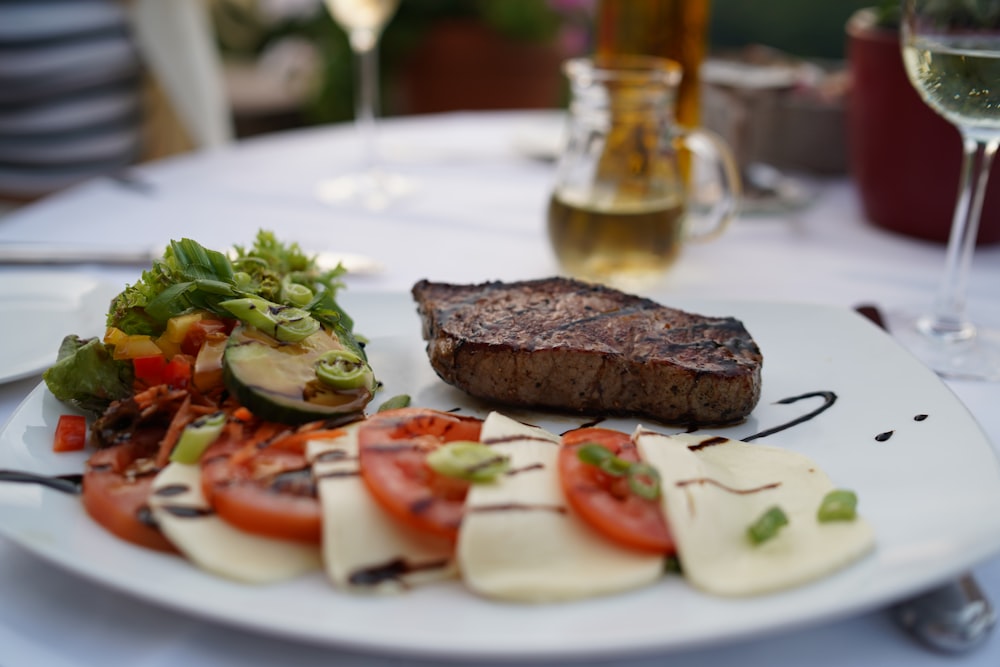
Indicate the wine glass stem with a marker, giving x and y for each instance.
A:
(949, 320)
(364, 43)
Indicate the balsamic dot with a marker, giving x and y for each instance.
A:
(882, 437)
(919, 418)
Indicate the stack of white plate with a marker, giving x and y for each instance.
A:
(69, 94)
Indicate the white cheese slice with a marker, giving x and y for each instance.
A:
(713, 492)
(520, 541)
(364, 548)
(184, 516)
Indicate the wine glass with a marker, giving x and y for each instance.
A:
(371, 186)
(951, 50)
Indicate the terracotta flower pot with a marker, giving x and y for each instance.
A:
(904, 158)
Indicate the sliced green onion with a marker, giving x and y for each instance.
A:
(600, 456)
(343, 369)
(395, 402)
(672, 565)
(593, 453)
(838, 505)
(197, 436)
(468, 460)
(644, 481)
(284, 323)
(767, 526)
(296, 293)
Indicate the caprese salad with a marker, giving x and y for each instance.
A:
(230, 395)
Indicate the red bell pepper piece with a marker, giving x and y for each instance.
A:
(71, 433)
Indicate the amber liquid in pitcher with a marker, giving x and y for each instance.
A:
(626, 244)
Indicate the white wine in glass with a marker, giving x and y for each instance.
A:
(951, 50)
(371, 185)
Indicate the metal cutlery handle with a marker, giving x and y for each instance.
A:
(53, 254)
(952, 618)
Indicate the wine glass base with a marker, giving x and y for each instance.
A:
(767, 190)
(374, 189)
(966, 354)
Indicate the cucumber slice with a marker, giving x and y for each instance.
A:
(277, 381)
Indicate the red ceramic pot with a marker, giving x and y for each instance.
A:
(904, 158)
(464, 64)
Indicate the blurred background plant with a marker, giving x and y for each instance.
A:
(294, 50)
(288, 64)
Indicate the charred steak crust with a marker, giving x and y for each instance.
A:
(572, 346)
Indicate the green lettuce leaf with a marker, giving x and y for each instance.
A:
(86, 376)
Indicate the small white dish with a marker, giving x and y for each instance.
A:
(41, 308)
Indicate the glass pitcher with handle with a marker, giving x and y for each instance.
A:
(632, 186)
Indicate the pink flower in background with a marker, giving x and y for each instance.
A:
(575, 35)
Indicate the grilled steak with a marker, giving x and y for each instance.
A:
(572, 346)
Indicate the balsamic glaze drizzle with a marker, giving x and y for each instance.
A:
(392, 571)
(510, 507)
(171, 490)
(708, 442)
(829, 398)
(186, 511)
(718, 484)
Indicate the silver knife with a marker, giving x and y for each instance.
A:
(55, 254)
(954, 617)
(30, 253)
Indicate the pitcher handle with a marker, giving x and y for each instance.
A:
(713, 185)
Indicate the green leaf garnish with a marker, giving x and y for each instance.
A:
(395, 402)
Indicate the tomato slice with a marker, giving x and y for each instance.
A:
(393, 447)
(116, 485)
(604, 501)
(262, 483)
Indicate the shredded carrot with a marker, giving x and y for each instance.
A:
(242, 414)
(184, 416)
(297, 441)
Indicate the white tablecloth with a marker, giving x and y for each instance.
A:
(478, 214)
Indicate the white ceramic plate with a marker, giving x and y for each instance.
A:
(930, 490)
(40, 309)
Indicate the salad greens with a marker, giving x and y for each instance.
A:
(279, 278)
(192, 277)
(86, 376)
